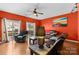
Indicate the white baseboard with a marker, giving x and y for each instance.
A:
(72, 41)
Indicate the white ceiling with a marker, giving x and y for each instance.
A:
(49, 9)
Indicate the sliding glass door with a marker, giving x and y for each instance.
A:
(12, 27)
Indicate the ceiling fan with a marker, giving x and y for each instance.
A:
(35, 11)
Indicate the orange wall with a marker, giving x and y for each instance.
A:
(11, 16)
(78, 28)
(71, 29)
(78, 20)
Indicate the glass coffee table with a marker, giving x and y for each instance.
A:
(34, 49)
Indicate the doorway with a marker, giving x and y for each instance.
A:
(31, 28)
(10, 28)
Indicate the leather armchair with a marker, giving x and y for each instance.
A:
(21, 38)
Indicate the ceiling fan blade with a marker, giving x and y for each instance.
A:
(41, 13)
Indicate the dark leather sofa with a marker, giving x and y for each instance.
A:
(59, 45)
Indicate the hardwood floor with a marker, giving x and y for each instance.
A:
(70, 48)
(13, 48)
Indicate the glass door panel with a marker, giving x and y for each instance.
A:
(31, 28)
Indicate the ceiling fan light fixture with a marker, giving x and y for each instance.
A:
(34, 14)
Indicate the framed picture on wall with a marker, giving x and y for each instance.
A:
(60, 22)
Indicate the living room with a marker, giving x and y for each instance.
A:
(36, 18)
